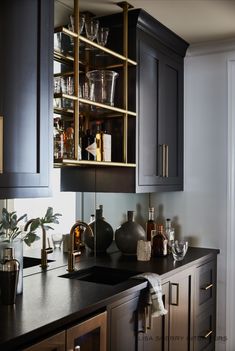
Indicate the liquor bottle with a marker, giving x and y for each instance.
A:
(69, 143)
(58, 140)
(159, 246)
(106, 145)
(150, 224)
(170, 233)
(81, 136)
(78, 239)
(88, 139)
(98, 140)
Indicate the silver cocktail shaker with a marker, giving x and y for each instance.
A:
(9, 273)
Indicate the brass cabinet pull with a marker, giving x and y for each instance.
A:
(174, 294)
(207, 334)
(163, 160)
(1, 144)
(166, 161)
(207, 287)
(146, 319)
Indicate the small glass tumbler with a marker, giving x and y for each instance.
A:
(102, 36)
(179, 249)
(70, 85)
(57, 85)
(57, 240)
(91, 28)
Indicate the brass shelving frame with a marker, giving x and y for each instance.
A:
(125, 63)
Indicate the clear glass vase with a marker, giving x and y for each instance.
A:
(17, 245)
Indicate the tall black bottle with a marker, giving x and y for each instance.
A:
(9, 274)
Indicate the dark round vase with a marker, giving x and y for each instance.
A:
(103, 234)
(128, 234)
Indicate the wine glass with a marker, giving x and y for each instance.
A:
(81, 23)
(102, 36)
(91, 28)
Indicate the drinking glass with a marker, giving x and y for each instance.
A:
(70, 85)
(91, 28)
(179, 249)
(81, 23)
(57, 85)
(57, 240)
(102, 36)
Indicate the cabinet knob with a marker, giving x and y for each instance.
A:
(1, 144)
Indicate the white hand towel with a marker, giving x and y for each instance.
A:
(154, 293)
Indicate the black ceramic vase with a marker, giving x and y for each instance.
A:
(103, 234)
(128, 234)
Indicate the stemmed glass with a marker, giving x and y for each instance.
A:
(91, 28)
(102, 36)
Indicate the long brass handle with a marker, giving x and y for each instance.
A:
(167, 161)
(174, 294)
(163, 160)
(207, 287)
(207, 334)
(1, 144)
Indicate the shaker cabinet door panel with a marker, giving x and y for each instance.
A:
(171, 121)
(160, 112)
(149, 112)
(26, 44)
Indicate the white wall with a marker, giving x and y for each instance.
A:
(201, 210)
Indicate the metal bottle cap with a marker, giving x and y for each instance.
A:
(10, 264)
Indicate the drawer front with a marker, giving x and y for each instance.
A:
(205, 331)
(205, 286)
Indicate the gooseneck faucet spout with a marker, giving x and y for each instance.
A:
(44, 250)
(72, 253)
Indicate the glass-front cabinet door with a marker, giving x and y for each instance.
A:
(89, 335)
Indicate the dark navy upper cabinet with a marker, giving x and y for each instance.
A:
(26, 71)
(155, 92)
(160, 116)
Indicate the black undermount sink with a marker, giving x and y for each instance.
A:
(32, 261)
(101, 275)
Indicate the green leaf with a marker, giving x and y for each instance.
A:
(35, 224)
(49, 212)
(22, 217)
(30, 238)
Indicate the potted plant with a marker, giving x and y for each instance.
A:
(13, 234)
(11, 230)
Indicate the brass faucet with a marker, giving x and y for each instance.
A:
(45, 250)
(72, 253)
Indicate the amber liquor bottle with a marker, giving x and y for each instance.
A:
(159, 242)
(150, 224)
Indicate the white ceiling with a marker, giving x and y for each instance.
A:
(194, 20)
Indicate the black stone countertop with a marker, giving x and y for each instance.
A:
(50, 303)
